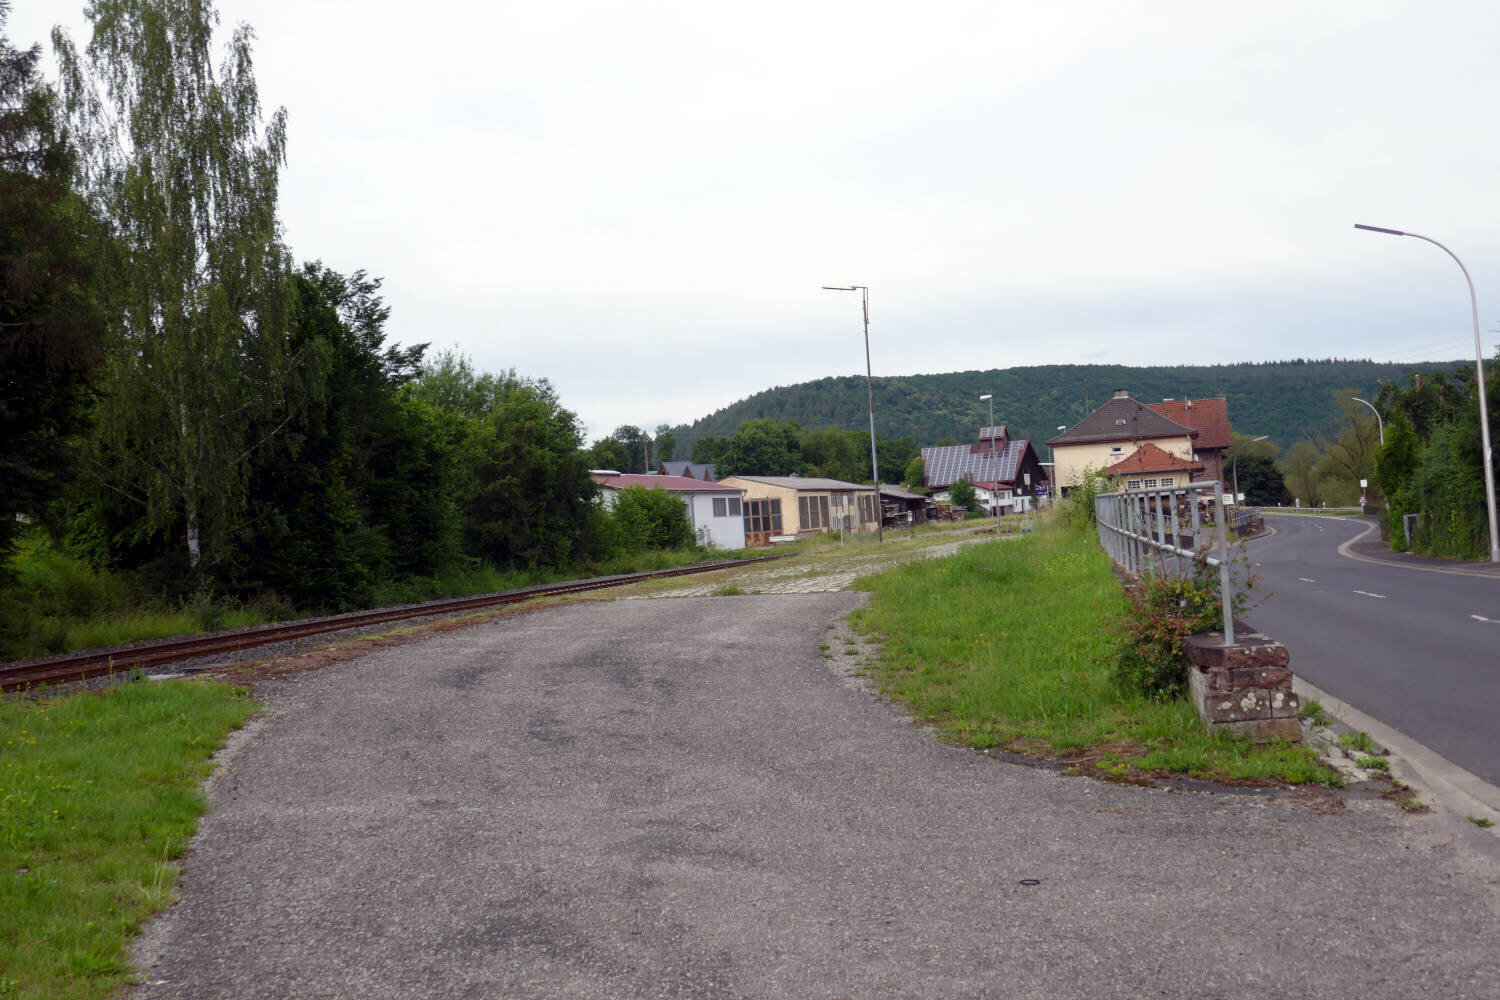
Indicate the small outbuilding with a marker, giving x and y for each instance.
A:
(786, 507)
(715, 511)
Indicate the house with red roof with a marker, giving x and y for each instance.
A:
(1145, 446)
(715, 511)
(1210, 418)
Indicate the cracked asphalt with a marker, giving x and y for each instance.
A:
(683, 798)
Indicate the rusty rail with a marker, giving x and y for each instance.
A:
(83, 665)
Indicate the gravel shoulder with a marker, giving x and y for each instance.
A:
(685, 798)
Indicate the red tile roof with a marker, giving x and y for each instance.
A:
(1209, 417)
(1149, 458)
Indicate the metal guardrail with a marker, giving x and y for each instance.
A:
(1163, 532)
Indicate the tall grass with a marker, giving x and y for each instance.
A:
(1012, 644)
(99, 795)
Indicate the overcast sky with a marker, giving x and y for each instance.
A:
(640, 202)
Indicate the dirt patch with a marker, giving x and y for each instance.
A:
(1125, 750)
(1317, 798)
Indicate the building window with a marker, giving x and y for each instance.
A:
(1150, 484)
(726, 506)
(1132, 484)
(812, 512)
(763, 516)
(1116, 450)
(1169, 480)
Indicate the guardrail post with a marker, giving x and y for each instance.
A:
(1226, 597)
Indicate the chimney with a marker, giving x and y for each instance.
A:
(1122, 393)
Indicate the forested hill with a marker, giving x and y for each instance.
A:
(1288, 400)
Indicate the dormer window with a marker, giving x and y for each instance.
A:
(1120, 421)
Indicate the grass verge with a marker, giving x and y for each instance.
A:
(1010, 645)
(99, 796)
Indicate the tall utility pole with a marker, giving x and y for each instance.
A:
(1487, 456)
(994, 475)
(870, 388)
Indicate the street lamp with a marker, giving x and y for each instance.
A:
(1484, 416)
(994, 482)
(870, 388)
(1378, 422)
(1234, 468)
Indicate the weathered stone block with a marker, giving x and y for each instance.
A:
(1252, 650)
(1264, 730)
(1236, 706)
(1257, 677)
(1245, 688)
(1285, 704)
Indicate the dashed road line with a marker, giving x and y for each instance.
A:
(1366, 593)
(1306, 580)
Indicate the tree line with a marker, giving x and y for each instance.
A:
(184, 403)
(1289, 400)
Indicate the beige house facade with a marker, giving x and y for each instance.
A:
(1114, 433)
(1072, 460)
(786, 507)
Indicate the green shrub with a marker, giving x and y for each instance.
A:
(651, 520)
(1078, 509)
(1160, 613)
(962, 495)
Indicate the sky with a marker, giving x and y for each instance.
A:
(640, 202)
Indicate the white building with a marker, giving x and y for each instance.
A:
(715, 511)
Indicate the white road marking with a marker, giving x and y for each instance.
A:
(1366, 593)
(1482, 618)
(1306, 580)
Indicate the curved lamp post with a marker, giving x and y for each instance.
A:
(1484, 416)
(1378, 422)
(870, 388)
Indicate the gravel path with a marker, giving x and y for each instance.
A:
(682, 798)
(815, 578)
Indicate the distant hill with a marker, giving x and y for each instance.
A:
(1288, 400)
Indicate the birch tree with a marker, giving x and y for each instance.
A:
(176, 156)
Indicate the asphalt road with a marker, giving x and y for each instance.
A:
(684, 798)
(1417, 649)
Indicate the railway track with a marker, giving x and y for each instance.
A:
(70, 667)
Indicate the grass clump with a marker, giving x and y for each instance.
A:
(1314, 712)
(99, 796)
(1013, 644)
